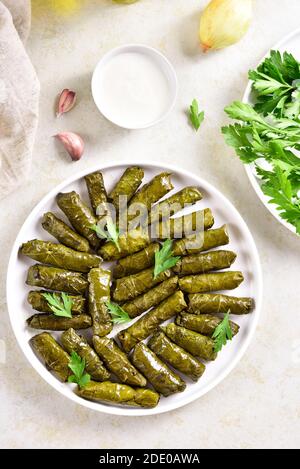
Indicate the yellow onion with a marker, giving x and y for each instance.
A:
(224, 22)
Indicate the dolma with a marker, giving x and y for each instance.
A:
(174, 203)
(147, 324)
(73, 342)
(59, 255)
(79, 215)
(197, 344)
(38, 302)
(129, 243)
(184, 225)
(54, 356)
(162, 378)
(212, 303)
(211, 282)
(200, 263)
(150, 193)
(117, 361)
(127, 288)
(50, 322)
(63, 233)
(203, 323)
(151, 298)
(136, 262)
(97, 193)
(176, 356)
(99, 295)
(127, 185)
(116, 393)
(201, 242)
(53, 278)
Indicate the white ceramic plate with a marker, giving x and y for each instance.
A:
(290, 43)
(241, 242)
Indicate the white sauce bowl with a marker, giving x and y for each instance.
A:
(134, 86)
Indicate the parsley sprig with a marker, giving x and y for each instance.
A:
(164, 258)
(196, 117)
(61, 306)
(77, 365)
(222, 333)
(119, 316)
(111, 233)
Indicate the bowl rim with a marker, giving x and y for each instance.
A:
(249, 167)
(149, 51)
(115, 410)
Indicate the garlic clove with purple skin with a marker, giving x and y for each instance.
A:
(66, 101)
(73, 143)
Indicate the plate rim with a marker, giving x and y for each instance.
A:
(248, 168)
(123, 411)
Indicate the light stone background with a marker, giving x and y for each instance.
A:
(257, 405)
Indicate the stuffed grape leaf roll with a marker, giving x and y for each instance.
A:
(203, 323)
(63, 233)
(197, 344)
(51, 322)
(127, 185)
(99, 295)
(97, 193)
(136, 262)
(151, 298)
(117, 361)
(211, 282)
(200, 263)
(212, 303)
(73, 342)
(38, 302)
(127, 288)
(59, 255)
(129, 243)
(150, 193)
(53, 278)
(184, 225)
(174, 203)
(202, 241)
(116, 393)
(147, 324)
(79, 215)
(53, 355)
(176, 356)
(162, 378)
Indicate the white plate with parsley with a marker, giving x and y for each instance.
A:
(270, 147)
(241, 242)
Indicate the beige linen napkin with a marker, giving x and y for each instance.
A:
(19, 96)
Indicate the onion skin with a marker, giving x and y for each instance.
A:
(224, 22)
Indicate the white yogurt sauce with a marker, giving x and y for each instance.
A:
(133, 90)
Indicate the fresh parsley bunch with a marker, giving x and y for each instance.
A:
(270, 131)
(276, 85)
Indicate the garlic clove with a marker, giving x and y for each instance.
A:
(73, 143)
(224, 22)
(66, 101)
